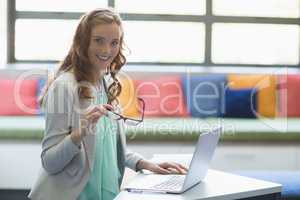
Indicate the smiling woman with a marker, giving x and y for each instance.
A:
(84, 150)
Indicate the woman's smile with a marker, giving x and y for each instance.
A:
(103, 58)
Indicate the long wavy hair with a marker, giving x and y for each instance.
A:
(77, 58)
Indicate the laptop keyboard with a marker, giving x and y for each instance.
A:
(174, 183)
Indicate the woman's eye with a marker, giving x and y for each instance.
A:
(99, 41)
(115, 43)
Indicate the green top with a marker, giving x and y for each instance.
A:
(103, 182)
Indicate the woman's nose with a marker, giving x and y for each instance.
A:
(105, 49)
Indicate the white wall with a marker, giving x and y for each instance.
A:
(3, 26)
(20, 161)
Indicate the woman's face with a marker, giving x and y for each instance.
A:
(104, 45)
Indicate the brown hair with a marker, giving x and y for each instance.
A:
(77, 59)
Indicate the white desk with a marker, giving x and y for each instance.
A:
(217, 185)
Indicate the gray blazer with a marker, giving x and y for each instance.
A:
(66, 167)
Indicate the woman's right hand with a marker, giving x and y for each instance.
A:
(89, 121)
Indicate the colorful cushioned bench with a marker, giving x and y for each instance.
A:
(178, 91)
(290, 181)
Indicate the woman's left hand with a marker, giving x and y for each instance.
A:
(162, 168)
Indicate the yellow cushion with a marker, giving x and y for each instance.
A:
(266, 85)
(128, 99)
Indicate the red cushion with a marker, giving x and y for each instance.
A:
(289, 95)
(163, 96)
(20, 101)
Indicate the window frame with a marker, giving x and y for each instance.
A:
(208, 19)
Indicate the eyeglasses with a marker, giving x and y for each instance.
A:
(127, 120)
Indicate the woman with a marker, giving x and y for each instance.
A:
(84, 150)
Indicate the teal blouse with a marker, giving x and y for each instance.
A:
(103, 182)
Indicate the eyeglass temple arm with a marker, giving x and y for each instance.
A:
(143, 104)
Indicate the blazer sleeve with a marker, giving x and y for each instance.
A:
(131, 159)
(57, 147)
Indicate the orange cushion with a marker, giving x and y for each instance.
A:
(163, 96)
(128, 99)
(266, 85)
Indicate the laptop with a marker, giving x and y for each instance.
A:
(176, 183)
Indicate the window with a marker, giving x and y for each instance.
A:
(165, 41)
(2, 32)
(43, 39)
(264, 44)
(59, 5)
(257, 8)
(178, 7)
(169, 32)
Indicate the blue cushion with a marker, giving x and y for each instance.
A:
(240, 103)
(41, 84)
(290, 180)
(204, 94)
